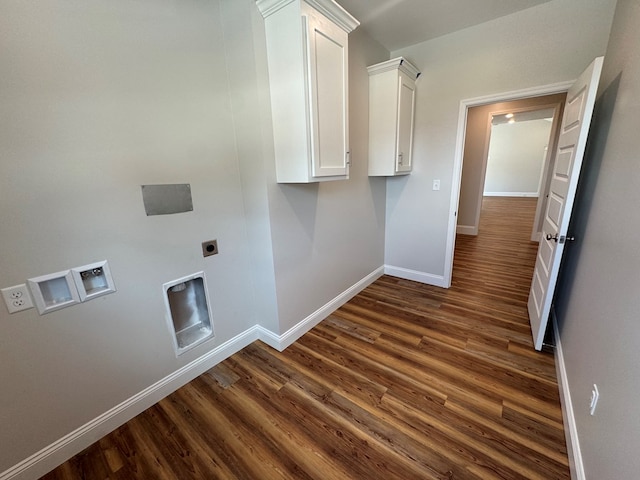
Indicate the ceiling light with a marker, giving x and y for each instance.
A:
(512, 120)
(509, 115)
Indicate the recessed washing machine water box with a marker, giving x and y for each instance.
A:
(188, 311)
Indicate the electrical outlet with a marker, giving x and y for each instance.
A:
(209, 248)
(17, 298)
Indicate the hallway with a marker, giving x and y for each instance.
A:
(500, 259)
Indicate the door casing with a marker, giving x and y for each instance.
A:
(562, 87)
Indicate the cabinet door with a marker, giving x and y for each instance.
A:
(327, 88)
(406, 102)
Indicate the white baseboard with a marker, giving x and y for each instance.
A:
(570, 428)
(61, 450)
(422, 277)
(280, 342)
(467, 229)
(511, 194)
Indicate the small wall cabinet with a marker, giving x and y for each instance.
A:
(307, 47)
(392, 97)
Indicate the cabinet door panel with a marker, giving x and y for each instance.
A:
(328, 95)
(406, 102)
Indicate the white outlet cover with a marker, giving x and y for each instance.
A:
(17, 298)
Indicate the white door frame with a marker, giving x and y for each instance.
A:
(561, 87)
(554, 132)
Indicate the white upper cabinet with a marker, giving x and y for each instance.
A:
(307, 54)
(392, 98)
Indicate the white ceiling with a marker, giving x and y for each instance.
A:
(400, 23)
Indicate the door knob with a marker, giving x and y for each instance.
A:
(552, 237)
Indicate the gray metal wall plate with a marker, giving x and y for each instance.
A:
(167, 199)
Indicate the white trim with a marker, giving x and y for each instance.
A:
(270, 338)
(511, 194)
(550, 89)
(535, 237)
(455, 194)
(269, 7)
(570, 427)
(399, 63)
(488, 130)
(329, 8)
(335, 13)
(280, 342)
(467, 229)
(61, 450)
(416, 276)
(459, 153)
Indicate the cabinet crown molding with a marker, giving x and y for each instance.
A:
(328, 8)
(398, 63)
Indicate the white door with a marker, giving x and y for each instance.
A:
(328, 70)
(406, 102)
(570, 151)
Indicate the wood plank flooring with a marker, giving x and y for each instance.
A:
(405, 381)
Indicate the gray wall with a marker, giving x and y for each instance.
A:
(98, 98)
(598, 299)
(552, 42)
(327, 236)
(101, 97)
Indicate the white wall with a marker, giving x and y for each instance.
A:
(328, 236)
(597, 300)
(549, 43)
(97, 99)
(516, 155)
(243, 30)
(101, 97)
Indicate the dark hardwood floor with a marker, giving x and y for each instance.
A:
(405, 381)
